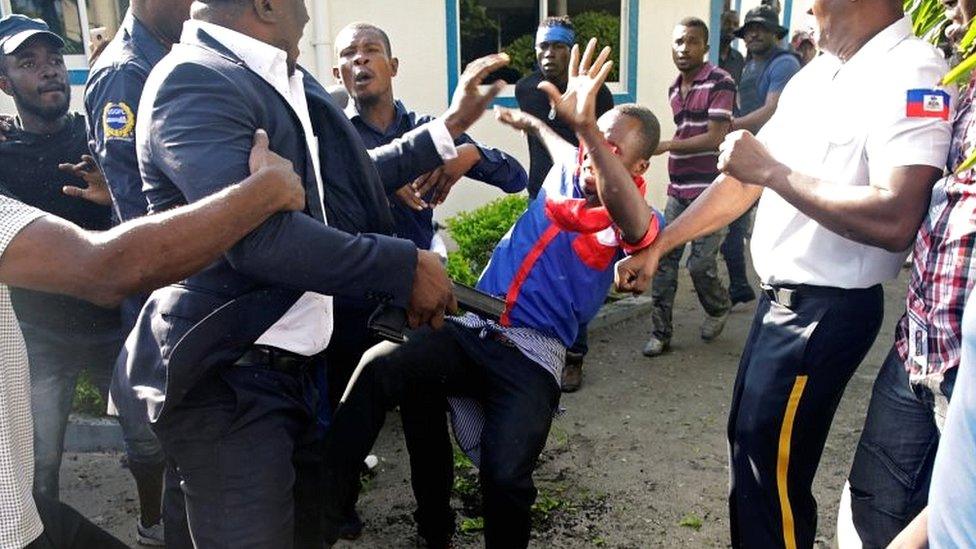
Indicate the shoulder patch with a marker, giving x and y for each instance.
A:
(927, 103)
(118, 121)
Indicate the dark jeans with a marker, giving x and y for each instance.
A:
(734, 251)
(895, 454)
(703, 268)
(65, 528)
(795, 366)
(55, 363)
(238, 443)
(518, 397)
(582, 344)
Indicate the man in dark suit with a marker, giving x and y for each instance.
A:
(224, 360)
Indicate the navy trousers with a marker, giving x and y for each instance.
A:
(795, 366)
(518, 397)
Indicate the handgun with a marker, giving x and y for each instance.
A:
(390, 322)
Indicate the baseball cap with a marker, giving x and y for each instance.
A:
(17, 29)
(765, 16)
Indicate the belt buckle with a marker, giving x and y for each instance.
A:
(784, 296)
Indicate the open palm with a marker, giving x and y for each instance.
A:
(577, 107)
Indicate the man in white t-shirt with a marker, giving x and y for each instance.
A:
(849, 160)
(43, 252)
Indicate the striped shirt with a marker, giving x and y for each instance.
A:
(467, 415)
(711, 97)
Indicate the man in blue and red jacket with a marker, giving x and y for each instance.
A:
(501, 380)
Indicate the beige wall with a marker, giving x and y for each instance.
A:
(417, 29)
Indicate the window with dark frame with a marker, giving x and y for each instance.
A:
(490, 26)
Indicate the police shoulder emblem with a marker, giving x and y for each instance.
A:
(118, 121)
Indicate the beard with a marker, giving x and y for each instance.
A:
(45, 112)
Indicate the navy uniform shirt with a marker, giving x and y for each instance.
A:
(112, 102)
(495, 168)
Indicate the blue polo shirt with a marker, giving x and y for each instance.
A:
(495, 168)
(112, 102)
(760, 78)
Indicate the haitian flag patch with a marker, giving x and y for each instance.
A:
(925, 103)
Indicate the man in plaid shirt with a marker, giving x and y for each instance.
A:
(889, 480)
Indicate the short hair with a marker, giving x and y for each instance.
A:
(695, 23)
(650, 128)
(364, 26)
(558, 21)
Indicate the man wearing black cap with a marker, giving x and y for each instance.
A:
(63, 335)
(767, 70)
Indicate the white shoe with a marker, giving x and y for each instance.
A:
(151, 536)
(713, 326)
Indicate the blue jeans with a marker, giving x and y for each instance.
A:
(55, 363)
(734, 251)
(895, 455)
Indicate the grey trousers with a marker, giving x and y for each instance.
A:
(703, 267)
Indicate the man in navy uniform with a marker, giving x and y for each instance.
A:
(223, 361)
(115, 84)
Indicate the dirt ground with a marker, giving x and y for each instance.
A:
(637, 460)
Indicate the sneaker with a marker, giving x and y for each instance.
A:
(572, 373)
(151, 536)
(713, 326)
(655, 346)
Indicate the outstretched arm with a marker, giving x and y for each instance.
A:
(559, 149)
(615, 184)
(54, 255)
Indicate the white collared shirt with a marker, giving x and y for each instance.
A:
(847, 124)
(306, 328)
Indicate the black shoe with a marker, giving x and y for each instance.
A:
(352, 527)
(572, 373)
(745, 296)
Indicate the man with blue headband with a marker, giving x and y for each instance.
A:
(553, 42)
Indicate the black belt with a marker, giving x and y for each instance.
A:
(274, 359)
(788, 295)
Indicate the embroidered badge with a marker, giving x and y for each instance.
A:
(118, 121)
(923, 103)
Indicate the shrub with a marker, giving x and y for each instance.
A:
(606, 29)
(522, 53)
(478, 231)
(88, 400)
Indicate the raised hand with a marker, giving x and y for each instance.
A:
(469, 101)
(95, 189)
(577, 107)
(517, 120)
(745, 158)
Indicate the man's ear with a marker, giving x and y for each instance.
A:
(266, 10)
(337, 75)
(394, 66)
(708, 48)
(641, 166)
(5, 85)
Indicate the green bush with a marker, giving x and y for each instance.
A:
(606, 29)
(88, 400)
(522, 53)
(477, 232)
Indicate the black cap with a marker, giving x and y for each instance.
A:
(765, 16)
(17, 29)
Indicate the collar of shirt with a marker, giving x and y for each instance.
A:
(700, 76)
(269, 62)
(400, 112)
(877, 46)
(145, 42)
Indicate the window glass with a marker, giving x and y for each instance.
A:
(489, 26)
(61, 15)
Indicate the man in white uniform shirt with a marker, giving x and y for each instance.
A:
(849, 160)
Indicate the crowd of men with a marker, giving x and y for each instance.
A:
(284, 218)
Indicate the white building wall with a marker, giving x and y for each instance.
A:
(418, 28)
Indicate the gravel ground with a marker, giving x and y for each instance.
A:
(637, 460)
